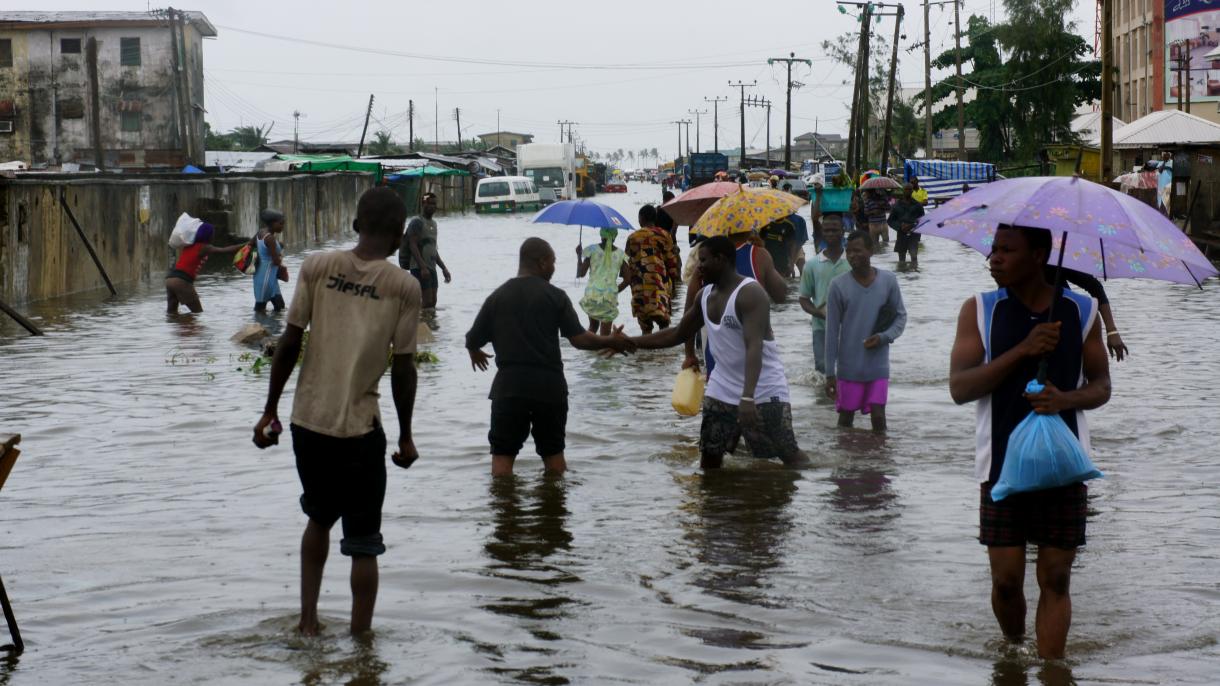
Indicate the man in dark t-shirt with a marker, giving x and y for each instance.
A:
(778, 237)
(523, 319)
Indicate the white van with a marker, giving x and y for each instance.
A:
(506, 194)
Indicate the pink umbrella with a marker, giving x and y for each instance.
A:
(880, 183)
(686, 209)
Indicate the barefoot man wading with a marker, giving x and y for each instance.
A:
(357, 306)
(1001, 336)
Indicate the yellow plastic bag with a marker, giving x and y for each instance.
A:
(687, 397)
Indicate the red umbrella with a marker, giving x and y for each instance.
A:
(686, 209)
(880, 183)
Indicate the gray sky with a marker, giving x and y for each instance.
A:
(516, 51)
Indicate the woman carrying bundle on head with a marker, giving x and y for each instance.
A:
(180, 281)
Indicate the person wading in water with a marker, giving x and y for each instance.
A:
(1001, 337)
(747, 393)
(358, 308)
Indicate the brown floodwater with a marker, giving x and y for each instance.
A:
(144, 540)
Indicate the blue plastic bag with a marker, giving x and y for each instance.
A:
(1042, 453)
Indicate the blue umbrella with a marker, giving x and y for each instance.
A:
(583, 213)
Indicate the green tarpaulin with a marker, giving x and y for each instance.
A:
(432, 171)
(332, 163)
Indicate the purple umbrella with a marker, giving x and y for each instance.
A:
(1096, 230)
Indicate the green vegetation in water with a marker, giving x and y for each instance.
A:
(426, 357)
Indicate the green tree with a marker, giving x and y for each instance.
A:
(216, 141)
(383, 144)
(248, 137)
(907, 131)
(984, 71)
(1049, 75)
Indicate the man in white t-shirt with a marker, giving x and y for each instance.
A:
(358, 307)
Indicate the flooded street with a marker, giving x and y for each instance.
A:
(144, 540)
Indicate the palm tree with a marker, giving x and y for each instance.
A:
(383, 144)
(249, 137)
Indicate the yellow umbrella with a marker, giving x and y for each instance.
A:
(745, 211)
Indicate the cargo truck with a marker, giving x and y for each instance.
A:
(552, 168)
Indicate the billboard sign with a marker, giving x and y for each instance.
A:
(1192, 50)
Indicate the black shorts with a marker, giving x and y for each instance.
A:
(773, 438)
(344, 478)
(429, 284)
(906, 242)
(513, 419)
(1054, 517)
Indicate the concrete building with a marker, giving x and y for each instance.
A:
(108, 89)
(508, 139)
(1139, 55)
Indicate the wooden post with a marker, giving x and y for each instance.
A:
(8, 455)
(27, 324)
(889, 101)
(63, 201)
(1107, 92)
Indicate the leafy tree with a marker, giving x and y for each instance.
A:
(216, 141)
(906, 130)
(383, 144)
(1049, 75)
(248, 137)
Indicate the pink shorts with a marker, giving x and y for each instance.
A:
(860, 396)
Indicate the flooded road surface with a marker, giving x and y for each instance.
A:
(144, 540)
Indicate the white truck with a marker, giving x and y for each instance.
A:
(552, 168)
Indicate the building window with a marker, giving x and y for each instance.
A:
(129, 52)
(69, 46)
(130, 121)
(6, 52)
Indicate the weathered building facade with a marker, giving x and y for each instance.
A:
(128, 218)
(105, 89)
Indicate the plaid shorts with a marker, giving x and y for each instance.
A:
(772, 438)
(1054, 517)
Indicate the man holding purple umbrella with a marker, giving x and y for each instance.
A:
(1001, 338)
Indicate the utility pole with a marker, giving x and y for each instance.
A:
(296, 126)
(411, 125)
(680, 122)
(743, 86)
(697, 127)
(1107, 90)
(889, 100)
(859, 100)
(569, 125)
(364, 132)
(764, 102)
(927, 82)
(788, 112)
(436, 120)
(686, 123)
(457, 116)
(957, 57)
(715, 120)
(1187, 70)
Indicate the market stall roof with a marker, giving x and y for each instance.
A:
(433, 171)
(1167, 128)
(1088, 127)
(331, 163)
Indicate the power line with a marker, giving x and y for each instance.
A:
(477, 60)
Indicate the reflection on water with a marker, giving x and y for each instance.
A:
(864, 498)
(1018, 672)
(739, 522)
(529, 528)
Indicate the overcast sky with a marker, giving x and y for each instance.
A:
(621, 69)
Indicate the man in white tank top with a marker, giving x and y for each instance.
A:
(747, 393)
